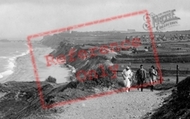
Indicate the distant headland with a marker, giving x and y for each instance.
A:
(4, 40)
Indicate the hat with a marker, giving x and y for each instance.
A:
(127, 67)
(153, 66)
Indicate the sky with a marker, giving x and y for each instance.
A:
(20, 18)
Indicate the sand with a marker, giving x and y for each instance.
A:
(132, 105)
(24, 70)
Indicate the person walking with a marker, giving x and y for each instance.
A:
(140, 76)
(127, 76)
(152, 74)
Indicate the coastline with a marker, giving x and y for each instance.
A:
(24, 71)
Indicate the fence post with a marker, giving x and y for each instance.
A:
(177, 74)
(187, 71)
(161, 78)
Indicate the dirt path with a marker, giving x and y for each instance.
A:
(132, 105)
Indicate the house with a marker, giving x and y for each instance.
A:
(158, 45)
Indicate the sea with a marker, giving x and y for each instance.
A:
(9, 51)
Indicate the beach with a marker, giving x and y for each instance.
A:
(24, 70)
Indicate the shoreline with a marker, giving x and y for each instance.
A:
(11, 65)
(23, 70)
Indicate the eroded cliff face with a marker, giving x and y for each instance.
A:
(93, 62)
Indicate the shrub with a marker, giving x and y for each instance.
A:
(51, 79)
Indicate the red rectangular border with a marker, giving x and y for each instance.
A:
(44, 106)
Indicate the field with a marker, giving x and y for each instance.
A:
(173, 47)
(168, 66)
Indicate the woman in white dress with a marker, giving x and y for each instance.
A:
(127, 76)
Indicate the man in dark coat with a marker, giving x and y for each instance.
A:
(140, 76)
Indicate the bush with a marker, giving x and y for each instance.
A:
(51, 79)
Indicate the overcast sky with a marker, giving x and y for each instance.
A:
(20, 18)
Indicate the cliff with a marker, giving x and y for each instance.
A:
(95, 72)
(21, 99)
(177, 105)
